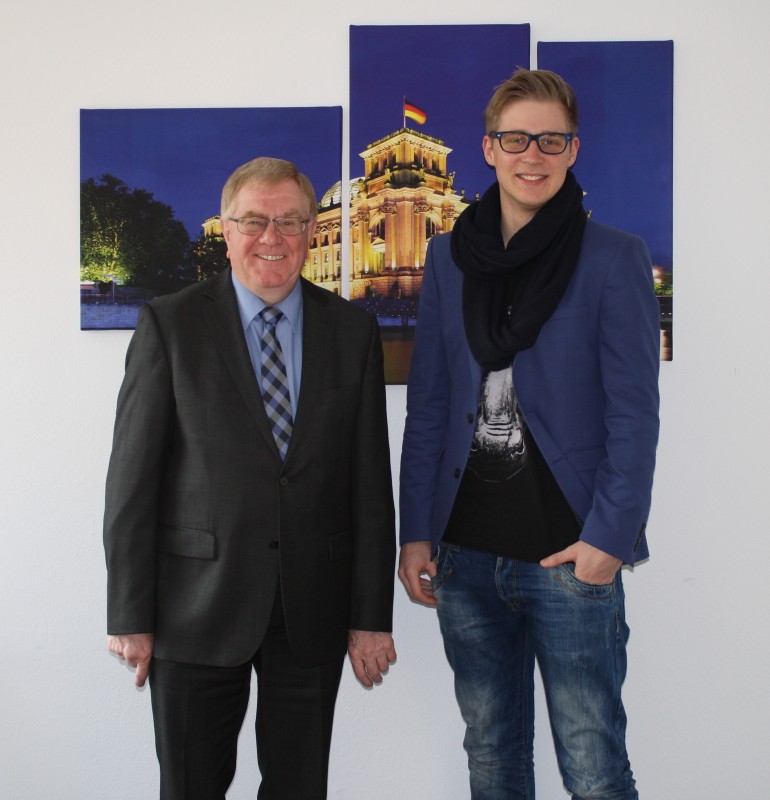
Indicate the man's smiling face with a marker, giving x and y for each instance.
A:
(530, 179)
(270, 263)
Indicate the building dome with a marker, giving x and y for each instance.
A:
(333, 196)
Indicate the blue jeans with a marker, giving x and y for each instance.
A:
(497, 616)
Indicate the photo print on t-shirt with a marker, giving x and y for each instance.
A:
(498, 451)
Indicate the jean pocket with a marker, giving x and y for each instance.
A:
(565, 576)
(443, 566)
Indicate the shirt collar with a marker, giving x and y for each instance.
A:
(249, 304)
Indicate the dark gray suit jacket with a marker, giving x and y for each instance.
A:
(197, 495)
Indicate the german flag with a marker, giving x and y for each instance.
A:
(413, 112)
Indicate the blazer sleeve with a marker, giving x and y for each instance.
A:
(372, 511)
(143, 428)
(629, 360)
(427, 414)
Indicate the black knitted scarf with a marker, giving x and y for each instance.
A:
(509, 292)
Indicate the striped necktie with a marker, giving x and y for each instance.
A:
(275, 383)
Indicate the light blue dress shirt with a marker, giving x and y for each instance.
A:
(288, 331)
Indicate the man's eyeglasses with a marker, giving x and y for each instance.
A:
(518, 141)
(256, 226)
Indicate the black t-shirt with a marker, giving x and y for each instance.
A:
(508, 502)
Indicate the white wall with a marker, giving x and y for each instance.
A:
(72, 726)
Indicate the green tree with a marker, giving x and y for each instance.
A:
(103, 230)
(129, 235)
(208, 256)
(664, 285)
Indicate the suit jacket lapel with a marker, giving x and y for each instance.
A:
(315, 329)
(220, 310)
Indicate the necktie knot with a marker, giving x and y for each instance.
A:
(271, 315)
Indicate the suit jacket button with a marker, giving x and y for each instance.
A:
(470, 418)
(274, 544)
(457, 472)
(284, 481)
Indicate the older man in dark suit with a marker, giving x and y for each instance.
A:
(249, 512)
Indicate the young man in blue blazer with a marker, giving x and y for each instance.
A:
(529, 450)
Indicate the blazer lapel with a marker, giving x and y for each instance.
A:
(315, 326)
(220, 310)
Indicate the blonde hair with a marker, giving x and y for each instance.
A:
(531, 84)
(267, 172)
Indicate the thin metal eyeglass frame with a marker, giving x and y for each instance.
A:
(268, 220)
(533, 136)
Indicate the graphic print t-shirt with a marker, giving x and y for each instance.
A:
(508, 503)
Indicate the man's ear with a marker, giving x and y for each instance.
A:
(226, 233)
(487, 147)
(574, 146)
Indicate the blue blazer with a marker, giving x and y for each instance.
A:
(588, 390)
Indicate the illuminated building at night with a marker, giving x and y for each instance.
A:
(404, 197)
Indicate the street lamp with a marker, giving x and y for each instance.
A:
(112, 281)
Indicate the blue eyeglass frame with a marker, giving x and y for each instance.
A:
(533, 136)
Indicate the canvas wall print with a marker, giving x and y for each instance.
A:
(150, 187)
(625, 163)
(417, 95)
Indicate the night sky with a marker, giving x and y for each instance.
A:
(624, 92)
(625, 163)
(184, 156)
(449, 71)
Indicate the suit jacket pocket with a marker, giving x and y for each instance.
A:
(340, 545)
(187, 542)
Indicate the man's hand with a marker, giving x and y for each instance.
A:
(136, 650)
(591, 564)
(371, 653)
(414, 569)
